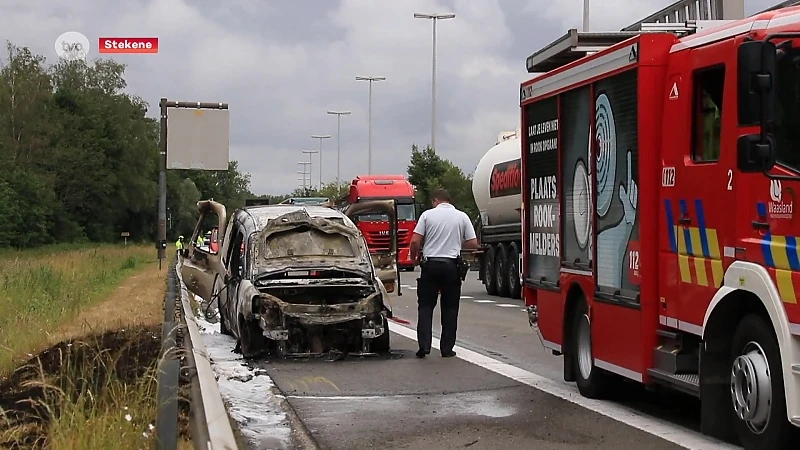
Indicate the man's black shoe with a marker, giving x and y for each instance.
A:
(449, 354)
(422, 353)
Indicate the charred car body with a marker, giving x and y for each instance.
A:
(295, 280)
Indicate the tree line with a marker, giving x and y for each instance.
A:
(82, 160)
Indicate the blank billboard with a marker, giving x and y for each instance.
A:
(198, 138)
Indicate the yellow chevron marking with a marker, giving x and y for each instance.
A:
(700, 270)
(785, 286)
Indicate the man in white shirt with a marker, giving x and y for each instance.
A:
(445, 231)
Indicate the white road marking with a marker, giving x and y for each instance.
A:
(507, 305)
(466, 296)
(484, 301)
(652, 425)
(524, 310)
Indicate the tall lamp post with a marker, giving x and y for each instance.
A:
(311, 152)
(320, 137)
(339, 115)
(434, 18)
(304, 172)
(585, 16)
(369, 120)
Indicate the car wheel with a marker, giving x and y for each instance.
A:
(757, 392)
(251, 339)
(381, 343)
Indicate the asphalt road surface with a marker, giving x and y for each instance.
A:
(503, 390)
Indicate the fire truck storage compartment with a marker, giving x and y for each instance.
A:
(582, 168)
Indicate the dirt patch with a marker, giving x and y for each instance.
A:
(108, 355)
(138, 301)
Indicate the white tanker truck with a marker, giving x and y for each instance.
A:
(496, 185)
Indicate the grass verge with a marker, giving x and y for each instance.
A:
(96, 387)
(41, 290)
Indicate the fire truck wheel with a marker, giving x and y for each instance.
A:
(514, 285)
(591, 380)
(489, 277)
(502, 270)
(757, 392)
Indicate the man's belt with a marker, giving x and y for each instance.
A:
(439, 259)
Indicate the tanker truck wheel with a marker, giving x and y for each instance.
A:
(489, 275)
(514, 285)
(501, 258)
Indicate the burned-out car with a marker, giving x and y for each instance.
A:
(294, 280)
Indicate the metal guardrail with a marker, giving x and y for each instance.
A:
(209, 424)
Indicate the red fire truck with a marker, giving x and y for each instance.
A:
(375, 227)
(660, 169)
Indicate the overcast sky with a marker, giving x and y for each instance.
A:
(281, 64)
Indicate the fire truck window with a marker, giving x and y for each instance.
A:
(786, 126)
(707, 112)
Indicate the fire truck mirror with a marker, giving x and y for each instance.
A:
(753, 156)
(756, 61)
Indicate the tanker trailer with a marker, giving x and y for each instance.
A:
(496, 185)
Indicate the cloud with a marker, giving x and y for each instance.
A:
(282, 65)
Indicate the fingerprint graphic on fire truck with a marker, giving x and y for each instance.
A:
(612, 240)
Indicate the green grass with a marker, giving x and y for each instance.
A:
(42, 289)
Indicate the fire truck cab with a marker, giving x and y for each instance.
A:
(660, 170)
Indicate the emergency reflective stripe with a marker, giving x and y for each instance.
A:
(179, 244)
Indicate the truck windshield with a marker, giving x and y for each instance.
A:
(406, 212)
(787, 110)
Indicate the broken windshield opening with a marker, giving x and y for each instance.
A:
(305, 241)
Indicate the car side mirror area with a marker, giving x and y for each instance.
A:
(753, 155)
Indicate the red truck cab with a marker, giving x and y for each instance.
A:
(375, 227)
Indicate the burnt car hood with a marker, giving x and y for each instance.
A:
(325, 243)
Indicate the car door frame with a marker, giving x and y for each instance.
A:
(200, 267)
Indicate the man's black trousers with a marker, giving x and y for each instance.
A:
(438, 276)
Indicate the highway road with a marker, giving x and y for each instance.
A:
(503, 390)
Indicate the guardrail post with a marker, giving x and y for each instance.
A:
(169, 372)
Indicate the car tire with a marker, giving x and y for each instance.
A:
(381, 343)
(757, 390)
(252, 341)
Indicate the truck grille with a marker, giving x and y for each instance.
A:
(381, 242)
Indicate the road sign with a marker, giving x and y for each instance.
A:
(198, 138)
(125, 234)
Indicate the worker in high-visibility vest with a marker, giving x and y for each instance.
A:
(200, 240)
(179, 244)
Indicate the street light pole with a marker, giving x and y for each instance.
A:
(304, 172)
(434, 18)
(369, 120)
(585, 16)
(339, 115)
(320, 137)
(311, 152)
